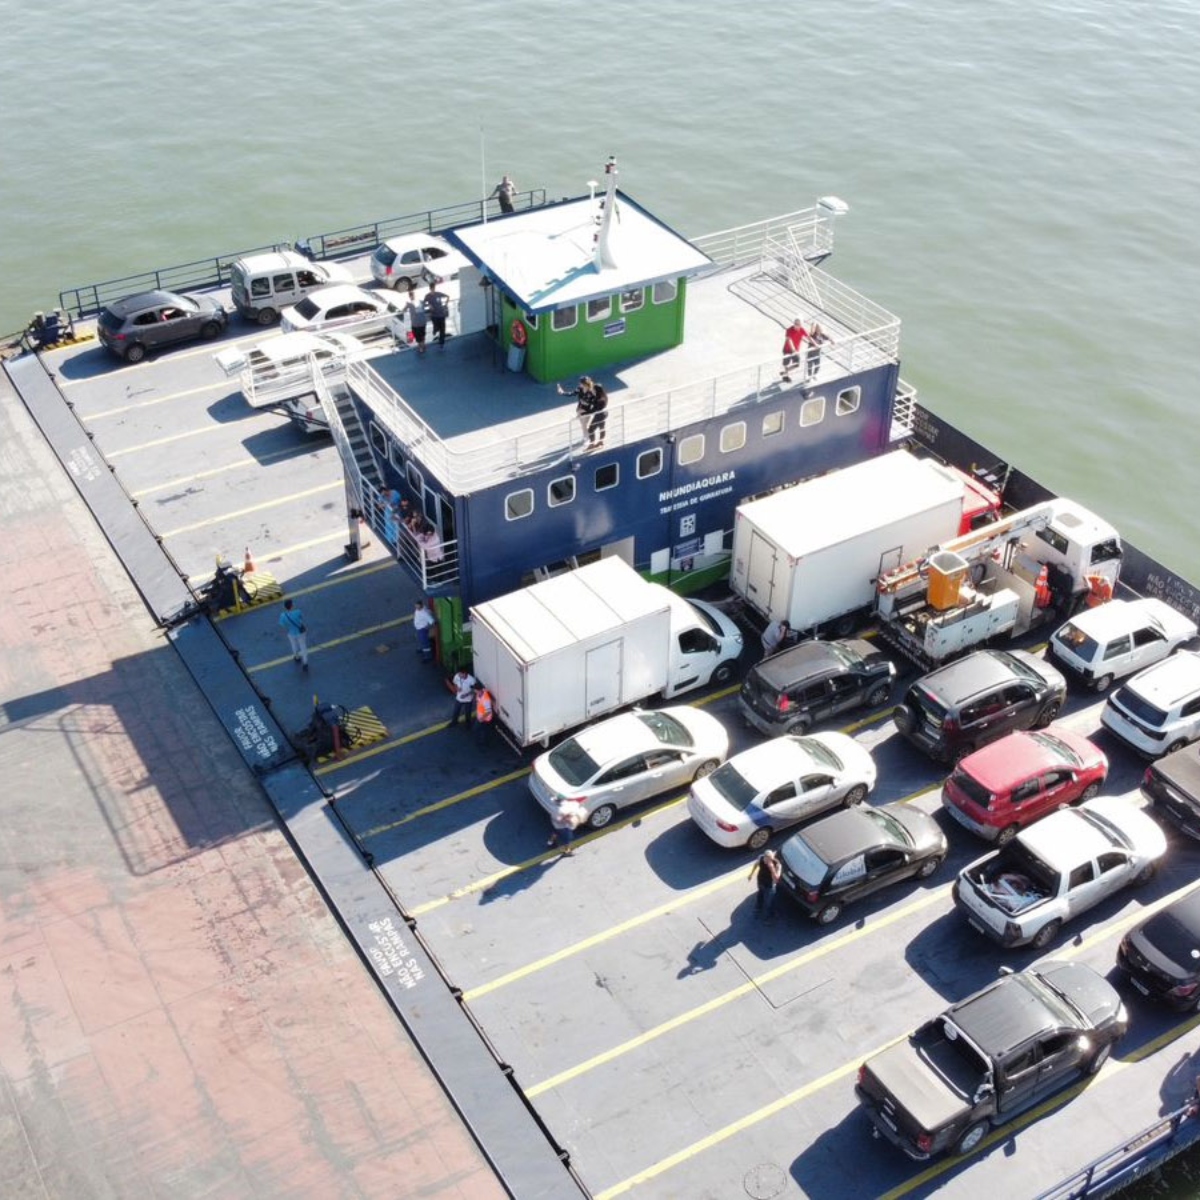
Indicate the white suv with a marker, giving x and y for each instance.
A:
(1118, 638)
(1158, 710)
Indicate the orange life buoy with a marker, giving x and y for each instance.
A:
(518, 333)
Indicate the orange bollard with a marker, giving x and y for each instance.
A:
(248, 565)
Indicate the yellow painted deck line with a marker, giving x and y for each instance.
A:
(380, 749)
(743, 989)
(777, 1106)
(254, 508)
(237, 464)
(330, 645)
(449, 801)
(116, 412)
(348, 577)
(163, 441)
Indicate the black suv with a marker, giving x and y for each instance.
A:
(974, 700)
(790, 690)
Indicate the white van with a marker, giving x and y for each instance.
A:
(265, 284)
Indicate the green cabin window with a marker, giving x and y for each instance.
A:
(633, 299)
(599, 310)
(665, 291)
(564, 318)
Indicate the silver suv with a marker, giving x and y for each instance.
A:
(137, 324)
(1158, 710)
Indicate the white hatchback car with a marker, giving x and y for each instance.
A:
(346, 307)
(1118, 638)
(1158, 710)
(629, 758)
(780, 783)
(403, 262)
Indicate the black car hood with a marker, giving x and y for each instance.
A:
(925, 832)
(1170, 940)
(1089, 992)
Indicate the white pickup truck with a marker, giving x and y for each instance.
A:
(1059, 867)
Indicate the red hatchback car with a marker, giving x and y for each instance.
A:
(1010, 784)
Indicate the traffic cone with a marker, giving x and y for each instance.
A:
(248, 565)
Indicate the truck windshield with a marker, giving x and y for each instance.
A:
(668, 730)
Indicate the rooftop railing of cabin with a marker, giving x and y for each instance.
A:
(811, 229)
(873, 342)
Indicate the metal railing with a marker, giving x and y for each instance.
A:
(811, 228)
(88, 299)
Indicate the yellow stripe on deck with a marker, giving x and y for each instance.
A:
(364, 728)
(262, 587)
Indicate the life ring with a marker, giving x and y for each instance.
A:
(518, 335)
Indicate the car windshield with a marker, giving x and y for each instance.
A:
(733, 787)
(1109, 828)
(1071, 636)
(308, 308)
(892, 829)
(1139, 708)
(972, 789)
(1057, 746)
(573, 763)
(820, 752)
(668, 730)
(845, 655)
(1049, 997)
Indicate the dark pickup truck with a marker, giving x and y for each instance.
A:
(990, 1057)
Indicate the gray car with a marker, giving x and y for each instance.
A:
(133, 326)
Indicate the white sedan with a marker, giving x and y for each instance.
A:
(346, 307)
(780, 783)
(629, 758)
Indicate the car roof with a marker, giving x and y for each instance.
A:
(1004, 1015)
(272, 260)
(142, 300)
(843, 834)
(340, 293)
(768, 763)
(1018, 755)
(616, 738)
(408, 241)
(1116, 617)
(968, 676)
(807, 660)
(1168, 682)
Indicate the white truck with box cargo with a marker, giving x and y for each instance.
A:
(565, 651)
(810, 554)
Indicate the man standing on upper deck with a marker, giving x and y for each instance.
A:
(795, 334)
(437, 306)
(505, 191)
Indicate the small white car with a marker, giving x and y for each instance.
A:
(780, 783)
(1158, 710)
(1118, 638)
(346, 307)
(629, 758)
(403, 262)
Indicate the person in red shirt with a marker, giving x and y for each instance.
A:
(794, 335)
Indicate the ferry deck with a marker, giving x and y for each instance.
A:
(614, 1023)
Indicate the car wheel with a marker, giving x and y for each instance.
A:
(1048, 714)
(1177, 744)
(1103, 683)
(1093, 1064)
(1046, 934)
(267, 316)
(1007, 834)
(758, 839)
(135, 352)
(856, 795)
(930, 865)
(724, 673)
(707, 767)
(830, 913)
(209, 330)
(971, 1137)
(1145, 874)
(845, 626)
(1092, 789)
(402, 283)
(878, 695)
(601, 816)
(903, 718)
(801, 724)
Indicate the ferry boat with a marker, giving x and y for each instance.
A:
(622, 1025)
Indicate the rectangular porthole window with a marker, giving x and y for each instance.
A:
(847, 401)
(379, 440)
(396, 458)
(733, 437)
(607, 476)
(518, 504)
(560, 491)
(665, 291)
(416, 480)
(632, 300)
(812, 412)
(691, 449)
(599, 310)
(649, 462)
(564, 318)
(772, 424)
